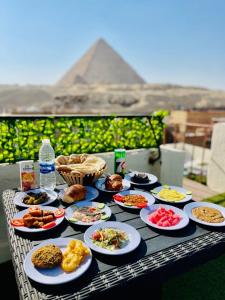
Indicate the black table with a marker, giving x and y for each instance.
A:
(159, 256)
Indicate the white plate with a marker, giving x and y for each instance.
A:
(152, 178)
(147, 196)
(100, 184)
(150, 209)
(133, 235)
(91, 194)
(55, 275)
(18, 199)
(20, 215)
(70, 210)
(177, 188)
(188, 209)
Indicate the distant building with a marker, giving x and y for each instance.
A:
(101, 65)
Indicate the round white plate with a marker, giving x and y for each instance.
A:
(177, 188)
(152, 178)
(100, 184)
(145, 212)
(20, 215)
(147, 196)
(91, 194)
(133, 235)
(55, 275)
(18, 199)
(70, 210)
(188, 209)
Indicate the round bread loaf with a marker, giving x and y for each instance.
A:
(76, 192)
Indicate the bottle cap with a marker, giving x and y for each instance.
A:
(45, 141)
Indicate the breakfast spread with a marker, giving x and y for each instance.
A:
(208, 214)
(74, 255)
(114, 182)
(132, 200)
(164, 217)
(74, 193)
(110, 238)
(32, 198)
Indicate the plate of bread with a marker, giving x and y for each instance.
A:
(78, 192)
(80, 169)
(112, 183)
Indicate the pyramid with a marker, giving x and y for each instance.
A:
(100, 65)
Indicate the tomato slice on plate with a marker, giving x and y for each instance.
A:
(141, 205)
(118, 198)
(59, 213)
(49, 225)
(17, 222)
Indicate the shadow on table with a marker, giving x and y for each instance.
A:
(186, 231)
(120, 260)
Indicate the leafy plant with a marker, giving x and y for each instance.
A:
(20, 138)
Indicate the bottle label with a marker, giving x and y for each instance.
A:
(47, 168)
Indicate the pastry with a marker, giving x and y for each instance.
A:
(114, 182)
(76, 192)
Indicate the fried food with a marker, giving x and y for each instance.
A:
(47, 257)
(208, 214)
(38, 217)
(74, 255)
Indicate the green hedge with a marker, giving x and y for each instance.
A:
(20, 138)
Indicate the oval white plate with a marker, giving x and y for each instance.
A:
(55, 275)
(133, 235)
(145, 212)
(152, 178)
(91, 194)
(148, 197)
(20, 215)
(177, 188)
(18, 199)
(70, 210)
(188, 209)
(100, 184)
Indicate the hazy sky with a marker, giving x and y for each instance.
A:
(166, 41)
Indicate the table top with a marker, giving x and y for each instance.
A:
(158, 249)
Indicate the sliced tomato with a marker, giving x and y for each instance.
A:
(49, 225)
(141, 205)
(17, 222)
(59, 213)
(96, 236)
(118, 198)
(33, 208)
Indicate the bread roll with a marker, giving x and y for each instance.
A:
(76, 192)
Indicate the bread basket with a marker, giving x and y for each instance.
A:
(67, 169)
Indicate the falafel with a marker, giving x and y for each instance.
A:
(47, 257)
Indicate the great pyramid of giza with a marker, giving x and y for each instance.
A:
(100, 65)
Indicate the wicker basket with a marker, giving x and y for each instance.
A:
(79, 178)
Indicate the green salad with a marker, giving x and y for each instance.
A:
(110, 238)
